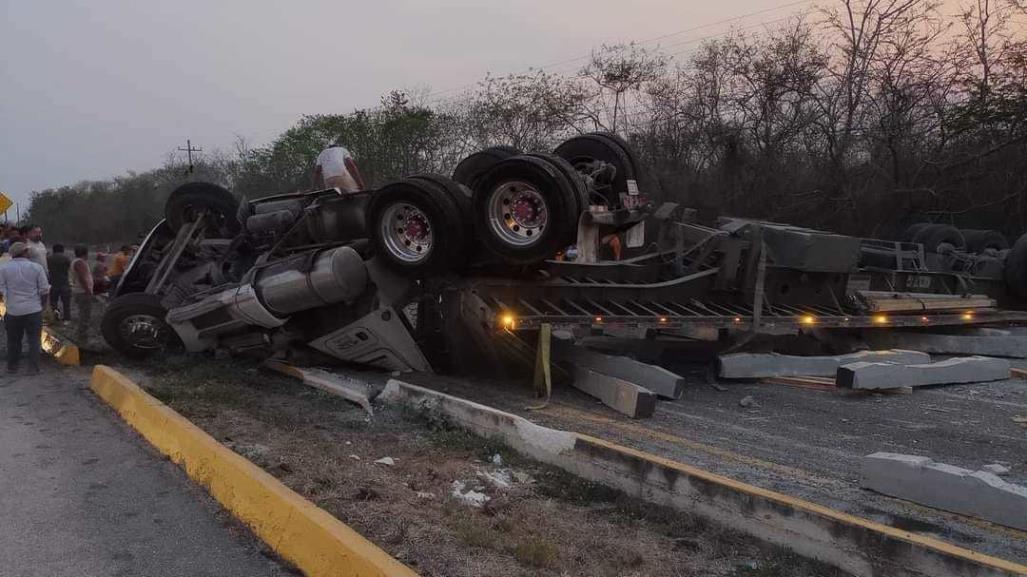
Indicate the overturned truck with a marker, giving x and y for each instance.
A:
(435, 273)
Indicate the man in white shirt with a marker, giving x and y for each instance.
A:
(37, 250)
(24, 287)
(335, 167)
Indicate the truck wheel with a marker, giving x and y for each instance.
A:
(189, 200)
(1015, 270)
(584, 152)
(912, 230)
(576, 182)
(524, 208)
(977, 241)
(472, 168)
(935, 235)
(460, 194)
(416, 226)
(134, 325)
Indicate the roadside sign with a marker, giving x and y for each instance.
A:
(5, 203)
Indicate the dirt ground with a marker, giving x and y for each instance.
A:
(531, 519)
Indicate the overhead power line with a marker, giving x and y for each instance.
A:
(434, 96)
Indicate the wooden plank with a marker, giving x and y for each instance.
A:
(817, 383)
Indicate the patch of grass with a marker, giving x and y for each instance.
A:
(535, 552)
(562, 486)
(474, 533)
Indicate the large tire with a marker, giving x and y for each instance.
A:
(978, 241)
(134, 325)
(460, 193)
(1015, 270)
(575, 181)
(935, 235)
(416, 226)
(912, 230)
(525, 210)
(583, 150)
(472, 168)
(189, 200)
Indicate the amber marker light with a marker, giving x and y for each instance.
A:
(508, 321)
(880, 319)
(968, 316)
(808, 320)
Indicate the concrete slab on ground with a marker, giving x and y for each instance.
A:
(919, 479)
(763, 365)
(879, 376)
(1012, 346)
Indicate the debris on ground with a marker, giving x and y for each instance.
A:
(386, 461)
(468, 496)
(748, 401)
(996, 469)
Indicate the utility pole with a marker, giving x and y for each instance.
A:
(189, 150)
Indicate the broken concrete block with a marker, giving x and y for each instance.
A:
(618, 394)
(758, 366)
(1012, 346)
(995, 469)
(350, 389)
(656, 379)
(871, 376)
(921, 480)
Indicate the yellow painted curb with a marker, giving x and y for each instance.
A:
(303, 534)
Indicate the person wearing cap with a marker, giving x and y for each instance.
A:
(24, 286)
(335, 167)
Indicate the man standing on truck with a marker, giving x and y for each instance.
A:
(335, 167)
(25, 288)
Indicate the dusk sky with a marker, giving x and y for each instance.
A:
(95, 88)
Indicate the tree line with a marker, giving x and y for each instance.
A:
(861, 117)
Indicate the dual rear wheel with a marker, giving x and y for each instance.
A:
(521, 208)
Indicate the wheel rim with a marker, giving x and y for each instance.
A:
(518, 213)
(142, 331)
(407, 232)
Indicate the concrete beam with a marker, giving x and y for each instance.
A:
(656, 379)
(919, 479)
(759, 366)
(618, 394)
(352, 390)
(1013, 346)
(872, 376)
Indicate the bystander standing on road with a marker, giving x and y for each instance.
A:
(58, 265)
(83, 290)
(37, 250)
(25, 287)
(118, 265)
(101, 278)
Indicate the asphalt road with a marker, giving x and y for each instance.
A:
(82, 495)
